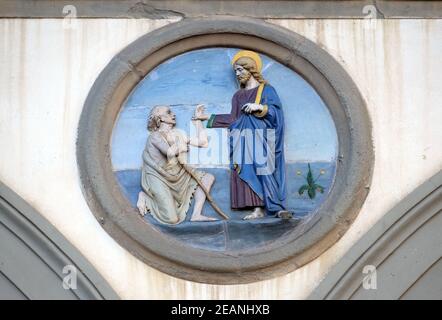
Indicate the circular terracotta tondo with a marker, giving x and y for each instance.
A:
(122, 221)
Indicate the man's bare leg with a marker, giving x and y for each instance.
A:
(257, 213)
(200, 198)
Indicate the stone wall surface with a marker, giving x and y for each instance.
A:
(49, 65)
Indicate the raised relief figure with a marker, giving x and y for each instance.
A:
(168, 183)
(256, 124)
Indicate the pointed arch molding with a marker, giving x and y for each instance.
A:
(33, 255)
(405, 246)
(122, 222)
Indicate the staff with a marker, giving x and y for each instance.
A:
(208, 196)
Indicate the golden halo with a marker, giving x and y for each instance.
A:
(249, 54)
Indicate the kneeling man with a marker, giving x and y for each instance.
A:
(168, 188)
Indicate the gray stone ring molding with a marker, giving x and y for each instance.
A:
(126, 226)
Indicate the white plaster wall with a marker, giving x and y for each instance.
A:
(46, 72)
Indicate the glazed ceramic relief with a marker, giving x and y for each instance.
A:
(224, 149)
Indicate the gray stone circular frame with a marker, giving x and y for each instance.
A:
(126, 226)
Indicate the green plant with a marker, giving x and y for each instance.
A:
(311, 187)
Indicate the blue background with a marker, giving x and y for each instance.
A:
(206, 76)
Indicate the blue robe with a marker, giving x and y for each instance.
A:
(257, 154)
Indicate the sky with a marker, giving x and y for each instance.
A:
(205, 76)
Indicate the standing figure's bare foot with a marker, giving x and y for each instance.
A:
(257, 213)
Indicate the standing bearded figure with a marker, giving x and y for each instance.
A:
(256, 124)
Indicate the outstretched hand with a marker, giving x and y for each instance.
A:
(199, 113)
